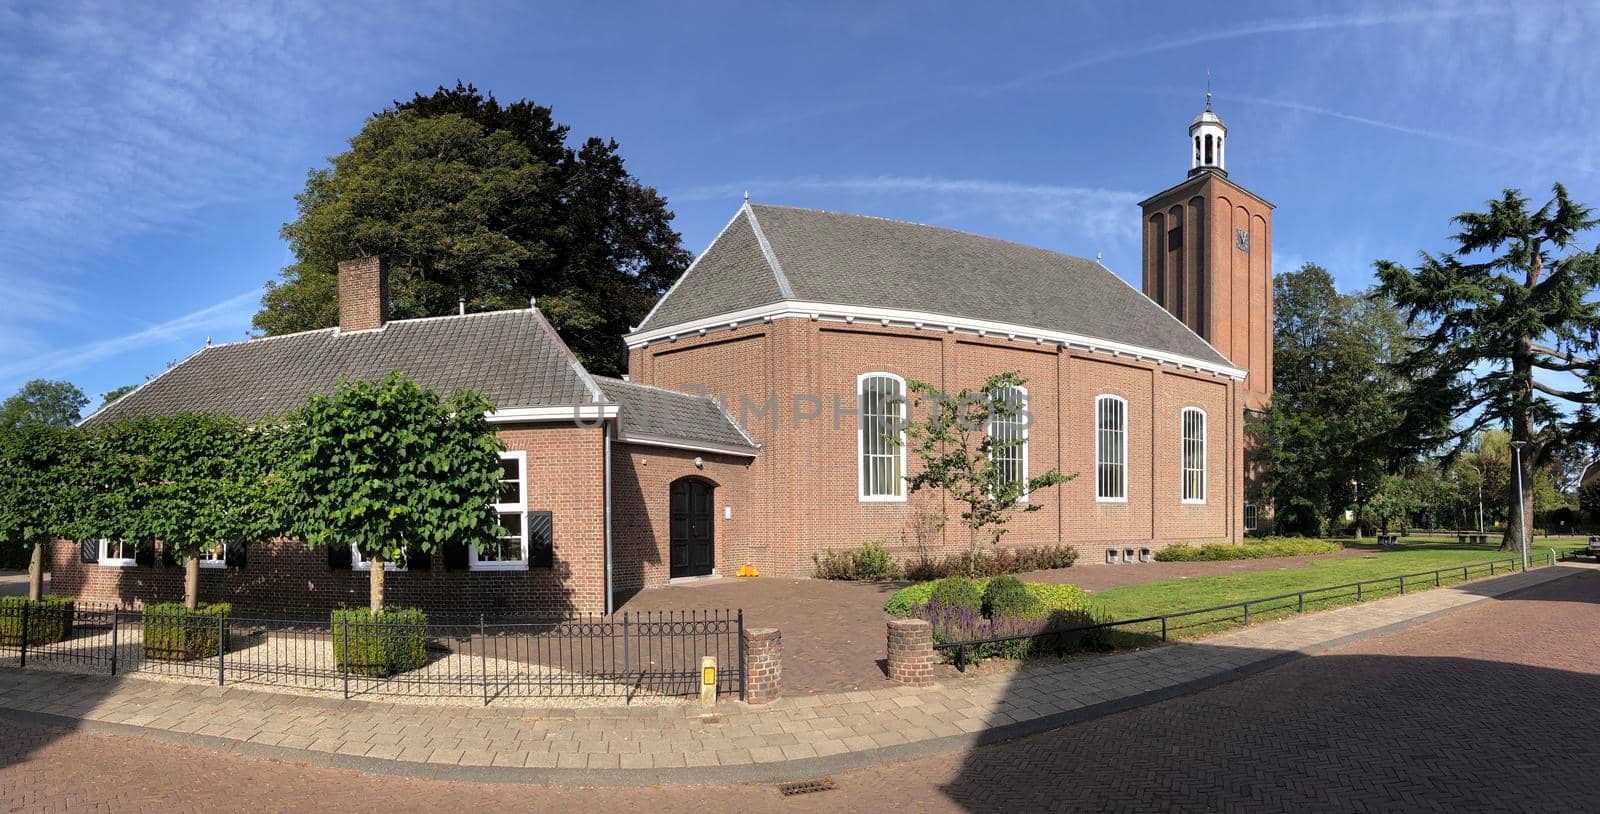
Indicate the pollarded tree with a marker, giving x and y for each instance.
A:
(195, 482)
(969, 446)
(39, 490)
(1510, 307)
(383, 466)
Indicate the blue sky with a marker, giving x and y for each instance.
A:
(149, 153)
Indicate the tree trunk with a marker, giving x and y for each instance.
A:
(36, 573)
(1519, 509)
(375, 585)
(191, 582)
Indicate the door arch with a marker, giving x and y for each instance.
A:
(693, 535)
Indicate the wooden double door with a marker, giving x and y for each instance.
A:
(693, 544)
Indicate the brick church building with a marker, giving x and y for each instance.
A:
(756, 424)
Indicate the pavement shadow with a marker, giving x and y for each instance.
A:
(1389, 724)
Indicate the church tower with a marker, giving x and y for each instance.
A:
(1208, 257)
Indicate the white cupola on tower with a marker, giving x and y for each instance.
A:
(1208, 138)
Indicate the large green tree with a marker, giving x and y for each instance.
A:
(1332, 402)
(42, 401)
(1503, 315)
(469, 198)
(39, 490)
(386, 466)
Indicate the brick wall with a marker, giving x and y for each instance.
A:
(640, 515)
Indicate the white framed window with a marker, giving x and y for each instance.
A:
(510, 551)
(1009, 434)
(1111, 448)
(1251, 516)
(881, 437)
(361, 563)
(118, 553)
(1194, 455)
(214, 557)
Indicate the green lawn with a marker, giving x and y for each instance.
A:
(1172, 596)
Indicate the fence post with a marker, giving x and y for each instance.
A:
(1491, 569)
(1358, 592)
(1247, 614)
(1552, 553)
(1163, 627)
(1464, 573)
(1302, 607)
(24, 659)
(483, 658)
(744, 672)
(116, 613)
(1436, 582)
(627, 655)
(344, 663)
(222, 645)
(1402, 584)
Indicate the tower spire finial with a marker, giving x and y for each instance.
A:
(1208, 89)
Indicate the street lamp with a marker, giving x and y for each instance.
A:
(1522, 501)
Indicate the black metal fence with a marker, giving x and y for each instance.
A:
(1150, 629)
(627, 656)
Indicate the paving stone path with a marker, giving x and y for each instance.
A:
(793, 738)
(1484, 709)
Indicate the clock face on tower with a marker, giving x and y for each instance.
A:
(1241, 238)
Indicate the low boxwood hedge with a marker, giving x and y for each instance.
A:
(49, 619)
(173, 632)
(1252, 550)
(380, 645)
(909, 601)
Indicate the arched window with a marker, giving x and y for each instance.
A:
(880, 397)
(1209, 162)
(1111, 448)
(1197, 150)
(1194, 455)
(1008, 431)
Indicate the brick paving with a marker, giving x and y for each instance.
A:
(833, 632)
(1484, 709)
(794, 737)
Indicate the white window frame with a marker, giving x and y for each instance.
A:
(219, 558)
(519, 508)
(1027, 425)
(125, 547)
(1123, 403)
(1183, 455)
(360, 563)
(1252, 517)
(861, 441)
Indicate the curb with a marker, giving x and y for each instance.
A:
(777, 771)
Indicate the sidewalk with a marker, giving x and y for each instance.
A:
(793, 738)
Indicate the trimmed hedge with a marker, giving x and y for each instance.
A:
(49, 619)
(1006, 597)
(381, 645)
(993, 562)
(1254, 550)
(957, 592)
(173, 632)
(909, 601)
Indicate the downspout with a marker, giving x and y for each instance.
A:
(610, 428)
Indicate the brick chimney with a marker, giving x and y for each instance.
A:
(363, 294)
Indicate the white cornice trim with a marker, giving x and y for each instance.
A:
(894, 317)
(564, 412)
(694, 446)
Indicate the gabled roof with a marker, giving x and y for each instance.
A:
(652, 413)
(772, 254)
(514, 358)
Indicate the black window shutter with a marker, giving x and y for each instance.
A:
(236, 554)
(339, 557)
(455, 557)
(145, 554)
(88, 551)
(417, 559)
(168, 559)
(541, 540)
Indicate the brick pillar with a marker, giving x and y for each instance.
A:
(911, 656)
(763, 664)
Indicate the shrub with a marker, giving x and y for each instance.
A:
(49, 619)
(871, 562)
(1006, 596)
(910, 601)
(1054, 633)
(385, 644)
(957, 592)
(1254, 550)
(173, 632)
(989, 564)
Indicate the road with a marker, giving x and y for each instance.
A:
(1487, 709)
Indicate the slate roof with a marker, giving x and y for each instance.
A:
(512, 357)
(657, 411)
(842, 259)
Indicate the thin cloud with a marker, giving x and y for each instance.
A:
(223, 315)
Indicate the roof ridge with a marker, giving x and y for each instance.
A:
(784, 289)
(904, 222)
